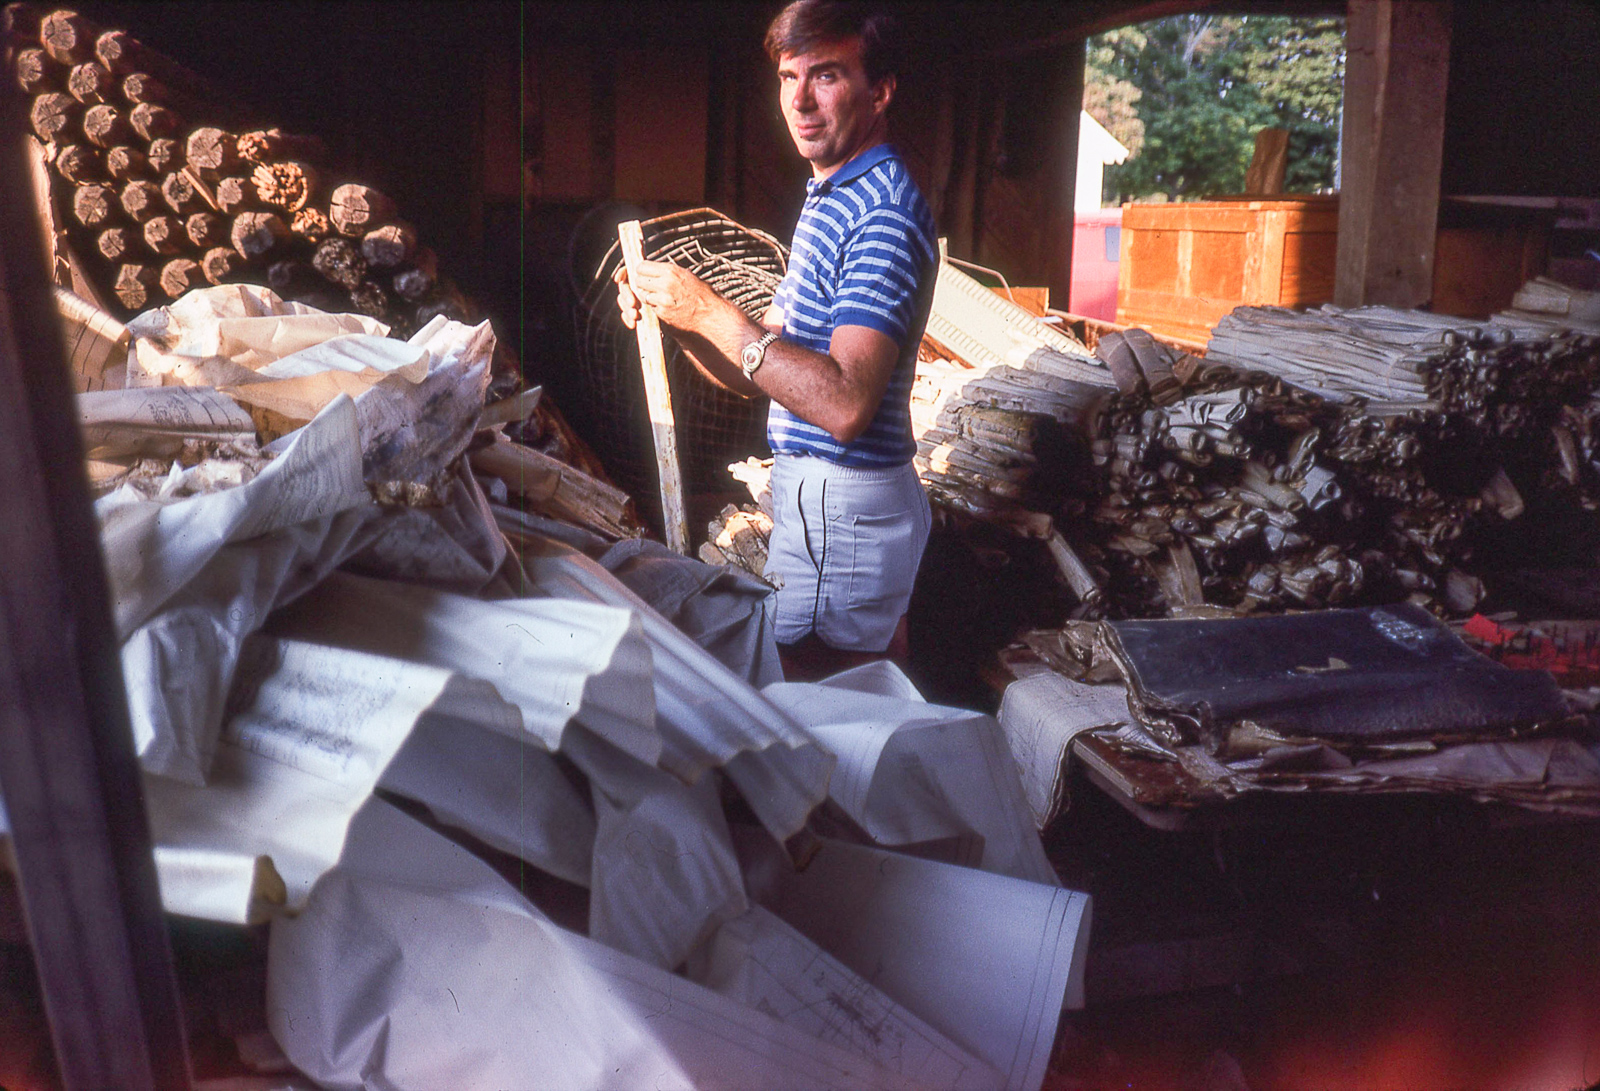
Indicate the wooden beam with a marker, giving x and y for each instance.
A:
(658, 396)
(68, 773)
(1391, 146)
(1065, 103)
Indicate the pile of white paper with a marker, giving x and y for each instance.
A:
(366, 699)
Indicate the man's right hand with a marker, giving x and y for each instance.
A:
(627, 303)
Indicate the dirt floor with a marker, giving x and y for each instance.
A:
(1391, 944)
(1396, 943)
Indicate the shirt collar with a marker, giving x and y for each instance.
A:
(852, 170)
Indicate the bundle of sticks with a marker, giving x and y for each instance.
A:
(1333, 457)
(1489, 376)
(740, 535)
(161, 188)
(1312, 459)
(996, 440)
(1545, 304)
(1000, 404)
(1245, 492)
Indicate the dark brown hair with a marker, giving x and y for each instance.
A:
(805, 24)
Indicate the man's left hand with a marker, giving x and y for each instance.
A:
(681, 300)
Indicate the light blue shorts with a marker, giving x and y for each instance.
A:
(846, 543)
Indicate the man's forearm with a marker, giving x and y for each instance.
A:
(714, 346)
(838, 390)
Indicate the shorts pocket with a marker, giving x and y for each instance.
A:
(885, 551)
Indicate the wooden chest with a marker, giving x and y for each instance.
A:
(1184, 266)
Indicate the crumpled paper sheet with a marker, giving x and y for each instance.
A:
(415, 966)
(225, 334)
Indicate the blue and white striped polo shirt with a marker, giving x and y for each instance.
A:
(864, 255)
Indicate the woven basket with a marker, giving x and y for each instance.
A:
(714, 427)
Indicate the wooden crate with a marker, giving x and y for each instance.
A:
(1485, 252)
(1184, 266)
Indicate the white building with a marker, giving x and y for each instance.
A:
(1096, 148)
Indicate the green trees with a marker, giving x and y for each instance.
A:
(1187, 95)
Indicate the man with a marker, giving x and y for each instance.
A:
(837, 350)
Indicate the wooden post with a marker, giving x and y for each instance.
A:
(1391, 147)
(1061, 170)
(658, 395)
(67, 766)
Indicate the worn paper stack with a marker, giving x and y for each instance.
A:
(1380, 699)
(525, 805)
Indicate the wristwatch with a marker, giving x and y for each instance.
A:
(754, 353)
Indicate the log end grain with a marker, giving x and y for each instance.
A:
(105, 126)
(235, 195)
(206, 229)
(140, 87)
(142, 200)
(389, 246)
(164, 235)
(181, 275)
(220, 263)
(153, 122)
(138, 285)
(67, 36)
(119, 244)
(165, 155)
(36, 72)
(115, 49)
(212, 149)
(78, 163)
(54, 114)
(256, 234)
(125, 163)
(356, 209)
(90, 83)
(340, 261)
(94, 205)
(178, 190)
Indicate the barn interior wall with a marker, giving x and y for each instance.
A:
(1519, 114)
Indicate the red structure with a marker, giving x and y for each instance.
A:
(1096, 241)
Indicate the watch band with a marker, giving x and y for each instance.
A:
(754, 353)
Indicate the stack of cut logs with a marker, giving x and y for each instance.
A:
(156, 201)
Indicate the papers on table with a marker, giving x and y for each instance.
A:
(1041, 715)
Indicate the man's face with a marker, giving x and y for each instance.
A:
(830, 106)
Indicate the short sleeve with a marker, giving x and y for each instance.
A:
(881, 265)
